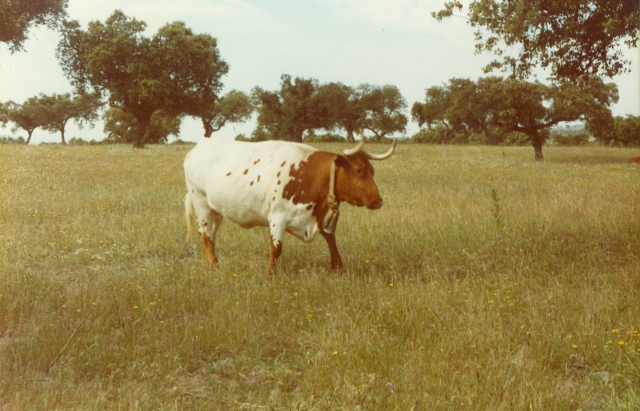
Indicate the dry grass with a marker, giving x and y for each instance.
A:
(487, 281)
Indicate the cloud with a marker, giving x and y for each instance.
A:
(201, 15)
(389, 14)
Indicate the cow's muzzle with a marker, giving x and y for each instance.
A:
(376, 204)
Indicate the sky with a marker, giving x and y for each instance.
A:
(379, 42)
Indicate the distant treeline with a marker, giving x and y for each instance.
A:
(150, 84)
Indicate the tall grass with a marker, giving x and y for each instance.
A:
(488, 281)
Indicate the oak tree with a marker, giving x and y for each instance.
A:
(496, 106)
(233, 107)
(343, 107)
(288, 113)
(533, 108)
(573, 38)
(626, 131)
(4, 118)
(60, 108)
(433, 112)
(175, 71)
(121, 126)
(18, 16)
(384, 109)
(27, 116)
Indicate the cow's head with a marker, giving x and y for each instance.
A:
(354, 177)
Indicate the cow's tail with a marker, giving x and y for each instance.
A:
(190, 216)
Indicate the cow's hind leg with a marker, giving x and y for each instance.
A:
(336, 261)
(208, 221)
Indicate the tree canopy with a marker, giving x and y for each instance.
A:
(233, 107)
(573, 38)
(345, 107)
(51, 113)
(494, 107)
(4, 117)
(27, 116)
(60, 108)
(384, 109)
(305, 104)
(120, 126)
(175, 71)
(18, 16)
(626, 131)
(287, 114)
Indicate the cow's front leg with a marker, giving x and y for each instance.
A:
(276, 250)
(277, 234)
(209, 252)
(336, 261)
(209, 224)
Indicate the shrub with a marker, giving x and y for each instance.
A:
(324, 138)
(428, 136)
(11, 140)
(242, 137)
(180, 142)
(516, 138)
(571, 139)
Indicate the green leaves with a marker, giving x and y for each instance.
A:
(28, 116)
(494, 107)
(287, 114)
(626, 131)
(304, 104)
(121, 126)
(175, 71)
(51, 112)
(575, 39)
(234, 107)
(384, 110)
(60, 108)
(17, 17)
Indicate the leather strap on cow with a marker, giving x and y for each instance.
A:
(331, 218)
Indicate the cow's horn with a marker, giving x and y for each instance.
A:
(352, 151)
(385, 155)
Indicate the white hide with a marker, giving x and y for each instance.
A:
(216, 194)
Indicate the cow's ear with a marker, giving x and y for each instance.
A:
(341, 161)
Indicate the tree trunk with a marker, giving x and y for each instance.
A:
(537, 147)
(62, 135)
(447, 133)
(296, 136)
(377, 137)
(29, 137)
(141, 131)
(491, 138)
(208, 129)
(350, 137)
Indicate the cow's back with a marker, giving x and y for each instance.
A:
(242, 181)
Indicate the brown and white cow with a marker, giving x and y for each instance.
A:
(288, 187)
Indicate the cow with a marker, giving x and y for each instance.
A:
(288, 187)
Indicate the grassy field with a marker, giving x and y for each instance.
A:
(487, 282)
